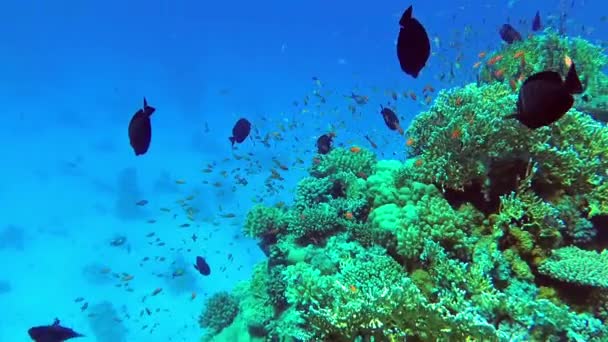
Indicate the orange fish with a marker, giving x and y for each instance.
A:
(476, 65)
(518, 54)
(409, 142)
(428, 87)
(499, 73)
(355, 149)
(348, 215)
(494, 60)
(352, 288)
(482, 54)
(567, 61)
(193, 296)
(456, 133)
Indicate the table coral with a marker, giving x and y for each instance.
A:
(574, 265)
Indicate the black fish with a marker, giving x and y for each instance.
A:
(536, 25)
(140, 129)
(509, 34)
(324, 143)
(413, 45)
(52, 333)
(240, 131)
(390, 119)
(202, 266)
(544, 97)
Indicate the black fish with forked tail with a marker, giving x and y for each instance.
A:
(324, 143)
(536, 24)
(240, 131)
(413, 45)
(509, 34)
(202, 266)
(544, 97)
(140, 129)
(52, 333)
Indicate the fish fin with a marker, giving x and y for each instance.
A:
(56, 321)
(547, 76)
(512, 116)
(196, 267)
(148, 110)
(573, 83)
(232, 140)
(407, 15)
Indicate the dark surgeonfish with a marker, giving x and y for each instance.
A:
(544, 97)
(390, 119)
(536, 25)
(240, 131)
(202, 266)
(509, 34)
(140, 129)
(413, 45)
(324, 143)
(52, 333)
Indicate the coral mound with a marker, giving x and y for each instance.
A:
(488, 232)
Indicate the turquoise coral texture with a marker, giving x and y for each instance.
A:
(490, 234)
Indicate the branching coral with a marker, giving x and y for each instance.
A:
(263, 220)
(359, 163)
(455, 141)
(573, 265)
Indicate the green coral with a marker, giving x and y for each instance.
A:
(453, 243)
(547, 51)
(344, 160)
(424, 214)
(263, 220)
(312, 190)
(459, 136)
(574, 265)
(317, 220)
(576, 226)
(255, 303)
(220, 310)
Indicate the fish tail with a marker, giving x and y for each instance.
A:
(148, 110)
(407, 15)
(573, 83)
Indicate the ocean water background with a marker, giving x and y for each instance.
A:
(74, 72)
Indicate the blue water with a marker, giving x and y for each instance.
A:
(72, 73)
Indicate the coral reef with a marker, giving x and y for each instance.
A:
(488, 232)
(513, 63)
(220, 310)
